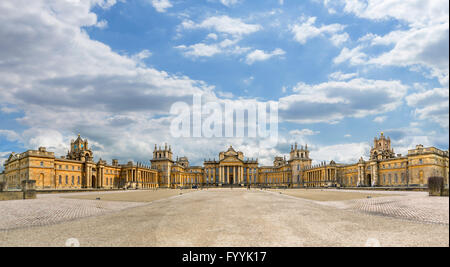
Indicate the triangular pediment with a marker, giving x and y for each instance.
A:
(231, 159)
(12, 156)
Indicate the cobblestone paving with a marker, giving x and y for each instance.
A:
(51, 209)
(413, 206)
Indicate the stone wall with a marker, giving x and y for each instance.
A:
(17, 195)
(28, 191)
(13, 195)
(3, 186)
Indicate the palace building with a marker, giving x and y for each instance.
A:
(78, 170)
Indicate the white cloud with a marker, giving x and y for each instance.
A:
(10, 135)
(416, 12)
(427, 47)
(229, 3)
(200, 50)
(223, 24)
(431, 105)
(249, 80)
(380, 119)
(343, 153)
(260, 55)
(354, 56)
(212, 36)
(226, 46)
(65, 83)
(333, 101)
(306, 30)
(423, 44)
(161, 5)
(304, 132)
(339, 76)
(102, 24)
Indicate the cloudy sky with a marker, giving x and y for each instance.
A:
(340, 71)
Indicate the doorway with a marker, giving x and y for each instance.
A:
(231, 179)
(369, 180)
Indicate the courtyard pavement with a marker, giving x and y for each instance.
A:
(226, 217)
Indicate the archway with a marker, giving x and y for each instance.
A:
(369, 180)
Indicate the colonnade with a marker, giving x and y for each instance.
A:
(144, 178)
(320, 177)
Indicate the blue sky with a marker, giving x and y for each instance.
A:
(341, 72)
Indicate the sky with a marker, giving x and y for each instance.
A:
(340, 71)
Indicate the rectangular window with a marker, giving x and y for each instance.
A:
(73, 180)
(60, 179)
(67, 179)
(78, 180)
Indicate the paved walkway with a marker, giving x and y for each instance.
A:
(406, 205)
(216, 218)
(51, 209)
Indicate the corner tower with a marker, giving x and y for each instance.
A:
(382, 148)
(299, 160)
(79, 150)
(163, 162)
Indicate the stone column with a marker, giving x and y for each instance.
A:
(91, 178)
(88, 174)
(374, 175)
(103, 177)
(359, 176)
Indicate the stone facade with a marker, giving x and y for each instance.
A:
(78, 170)
(384, 169)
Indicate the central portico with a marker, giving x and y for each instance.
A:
(231, 169)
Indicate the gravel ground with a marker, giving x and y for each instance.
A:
(329, 195)
(131, 196)
(233, 218)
